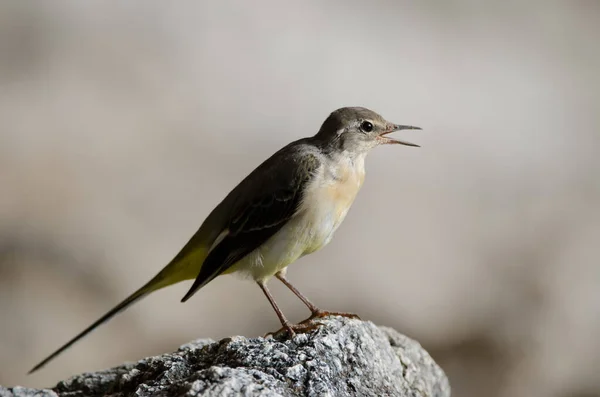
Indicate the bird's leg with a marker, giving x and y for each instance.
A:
(303, 298)
(284, 321)
(316, 312)
(287, 326)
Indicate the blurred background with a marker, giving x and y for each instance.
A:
(123, 124)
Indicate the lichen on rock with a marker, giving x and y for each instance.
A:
(344, 357)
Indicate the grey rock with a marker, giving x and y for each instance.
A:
(344, 357)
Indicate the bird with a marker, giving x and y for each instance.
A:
(287, 207)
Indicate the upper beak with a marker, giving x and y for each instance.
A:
(397, 127)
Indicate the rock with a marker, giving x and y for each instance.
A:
(344, 357)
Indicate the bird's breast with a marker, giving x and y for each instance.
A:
(327, 200)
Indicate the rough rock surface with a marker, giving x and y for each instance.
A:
(344, 357)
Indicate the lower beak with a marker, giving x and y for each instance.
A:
(395, 127)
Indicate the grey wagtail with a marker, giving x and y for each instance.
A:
(289, 206)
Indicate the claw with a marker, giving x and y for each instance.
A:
(322, 313)
(291, 330)
(307, 325)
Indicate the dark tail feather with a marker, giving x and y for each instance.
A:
(199, 283)
(137, 295)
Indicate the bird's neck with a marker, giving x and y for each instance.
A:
(347, 165)
(350, 160)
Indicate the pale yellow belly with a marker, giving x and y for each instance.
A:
(306, 233)
(324, 208)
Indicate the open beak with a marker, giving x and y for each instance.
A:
(395, 127)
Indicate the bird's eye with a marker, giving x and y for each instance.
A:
(366, 126)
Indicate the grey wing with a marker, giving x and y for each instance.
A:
(264, 202)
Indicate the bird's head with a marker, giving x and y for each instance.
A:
(357, 130)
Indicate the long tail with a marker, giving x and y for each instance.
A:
(137, 295)
(171, 274)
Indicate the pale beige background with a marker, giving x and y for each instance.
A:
(123, 124)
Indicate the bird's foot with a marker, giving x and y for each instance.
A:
(291, 330)
(323, 313)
